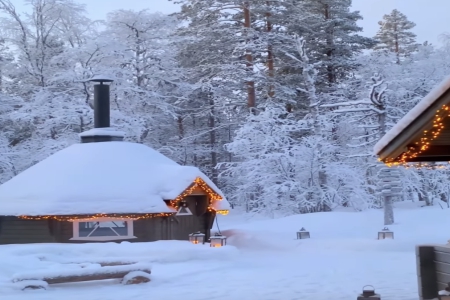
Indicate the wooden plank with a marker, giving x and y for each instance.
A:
(442, 248)
(83, 274)
(426, 272)
(22, 240)
(24, 235)
(102, 263)
(443, 277)
(91, 277)
(442, 267)
(116, 263)
(442, 256)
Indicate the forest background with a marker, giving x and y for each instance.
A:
(279, 102)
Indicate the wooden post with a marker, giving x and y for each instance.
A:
(390, 186)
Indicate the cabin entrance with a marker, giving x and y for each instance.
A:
(190, 218)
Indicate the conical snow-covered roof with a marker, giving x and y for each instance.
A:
(106, 177)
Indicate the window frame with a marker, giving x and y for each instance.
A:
(76, 230)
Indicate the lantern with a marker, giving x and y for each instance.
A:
(218, 240)
(385, 234)
(197, 238)
(368, 293)
(303, 234)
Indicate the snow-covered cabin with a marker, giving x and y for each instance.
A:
(106, 189)
(423, 134)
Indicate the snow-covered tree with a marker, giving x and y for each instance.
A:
(141, 54)
(395, 35)
(331, 32)
(49, 115)
(289, 164)
(40, 36)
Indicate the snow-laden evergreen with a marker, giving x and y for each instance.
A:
(395, 35)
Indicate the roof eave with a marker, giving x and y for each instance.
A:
(413, 131)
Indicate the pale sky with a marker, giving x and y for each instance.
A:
(430, 16)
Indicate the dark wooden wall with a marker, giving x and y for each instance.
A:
(14, 230)
(433, 270)
(19, 231)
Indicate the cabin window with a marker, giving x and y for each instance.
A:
(104, 229)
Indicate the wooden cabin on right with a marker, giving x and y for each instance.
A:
(423, 136)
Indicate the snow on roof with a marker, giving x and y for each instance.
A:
(106, 177)
(106, 131)
(101, 77)
(426, 102)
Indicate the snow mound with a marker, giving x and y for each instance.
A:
(251, 240)
(31, 284)
(133, 275)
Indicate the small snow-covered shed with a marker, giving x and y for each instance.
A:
(423, 134)
(105, 189)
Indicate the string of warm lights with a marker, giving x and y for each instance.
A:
(423, 144)
(426, 166)
(97, 216)
(198, 183)
(212, 196)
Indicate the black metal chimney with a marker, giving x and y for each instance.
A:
(102, 131)
(101, 101)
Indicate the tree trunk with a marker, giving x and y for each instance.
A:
(180, 128)
(270, 62)
(251, 102)
(382, 122)
(212, 139)
(194, 145)
(330, 47)
(397, 47)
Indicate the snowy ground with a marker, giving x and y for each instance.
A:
(263, 260)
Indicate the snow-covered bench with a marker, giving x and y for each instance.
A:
(433, 270)
(130, 274)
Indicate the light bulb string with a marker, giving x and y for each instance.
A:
(424, 143)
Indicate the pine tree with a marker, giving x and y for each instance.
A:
(330, 30)
(395, 34)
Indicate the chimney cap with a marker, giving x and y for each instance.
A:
(101, 78)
